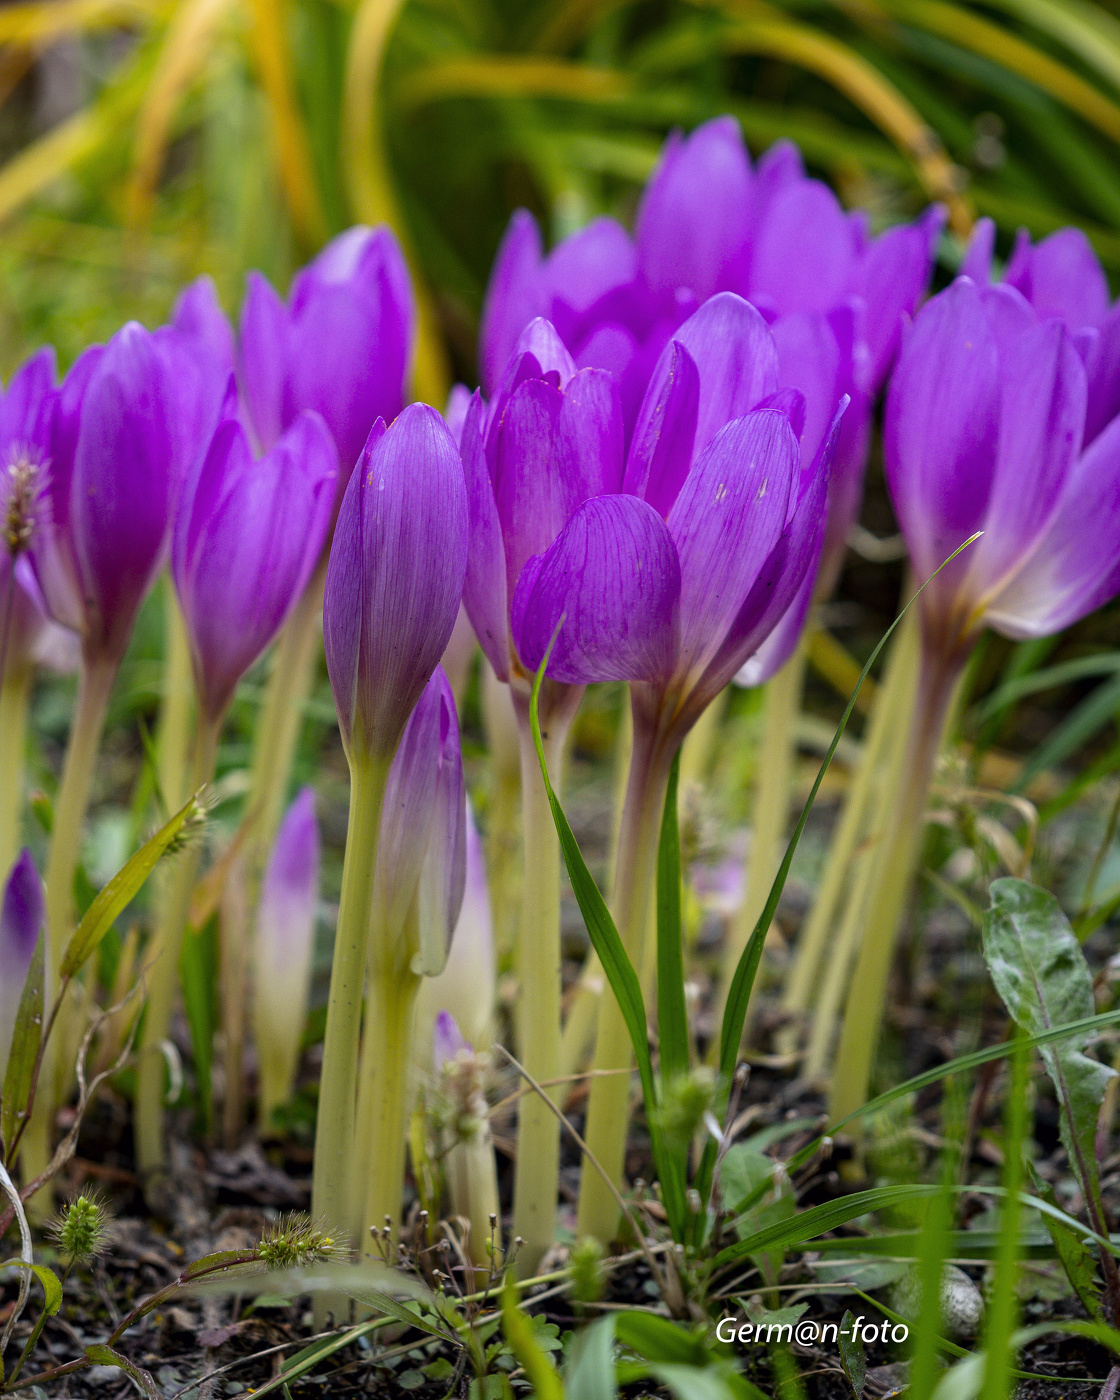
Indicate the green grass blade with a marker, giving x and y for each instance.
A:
(1082, 723)
(672, 1016)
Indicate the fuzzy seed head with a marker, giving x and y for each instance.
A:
(687, 1098)
(82, 1228)
(294, 1240)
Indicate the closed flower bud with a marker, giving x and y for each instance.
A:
(21, 921)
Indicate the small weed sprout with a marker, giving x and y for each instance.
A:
(295, 1240)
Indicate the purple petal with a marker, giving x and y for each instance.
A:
(942, 427)
(1041, 418)
(21, 921)
(661, 448)
(892, 276)
(421, 857)
(52, 551)
(439, 895)
(779, 168)
(780, 645)
(1102, 366)
(977, 262)
(694, 219)
(351, 339)
(395, 577)
(265, 332)
(589, 264)
(1076, 566)
(289, 893)
(28, 405)
(735, 357)
(254, 536)
(725, 522)
(539, 339)
(553, 451)
(514, 297)
(613, 576)
(804, 251)
(455, 414)
(447, 1040)
(773, 600)
(1061, 277)
(810, 358)
(122, 486)
(484, 591)
(610, 347)
(1010, 316)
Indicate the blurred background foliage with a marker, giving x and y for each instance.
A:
(144, 141)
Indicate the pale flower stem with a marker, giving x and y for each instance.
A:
(867, 994)
(608, 1108)
(503, 837)
(770, 819)
(163, 978)
(234, 962)
(15, 694)
(472, 1190)
(176, 711)
(537, 1174)
(290, 682)
(334, 1134)
(94, 689)
(880, 804)
(863, 811)
(384, 1101)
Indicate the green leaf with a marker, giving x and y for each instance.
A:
(52, 1288)
(520, 1334)
(852, 1356)
(106, 1356)
(672, 1015)
(27, 1035)
(692, 1382)
(1044, 981)
(589, 1373)
(1077, 1258)
(1082, 723)
(120, 891)
(657, 1339)
(613, 956)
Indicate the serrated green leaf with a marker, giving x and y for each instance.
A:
(27, 1035)
(120, 891)
(1044, 981)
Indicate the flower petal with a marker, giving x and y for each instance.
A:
(1041, 418)
(613, 576)
(892, 277)
(264, 333)
(395, 577)
(21, 920)
(1061, 276)
(725, 522)
(484, 591)
(694, 218)
(1076, 565)
(514, 296)
(942, 426)
(804, 251)
(661, 448)
(1103, 369)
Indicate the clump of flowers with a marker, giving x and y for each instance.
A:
(81, 1230)
(294, 1240)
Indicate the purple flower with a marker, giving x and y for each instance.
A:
(120, 446)
(395, 577)
(679, 581)
(421, 855)
(21, 921)
(341, 345)
(285, 938)
(465, 989)
(447, 1041)
(709, 222)
(985, 430)
(247, 537)
(1061, 276)
(553, 439)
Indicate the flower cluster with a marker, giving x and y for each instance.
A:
(653, 481)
